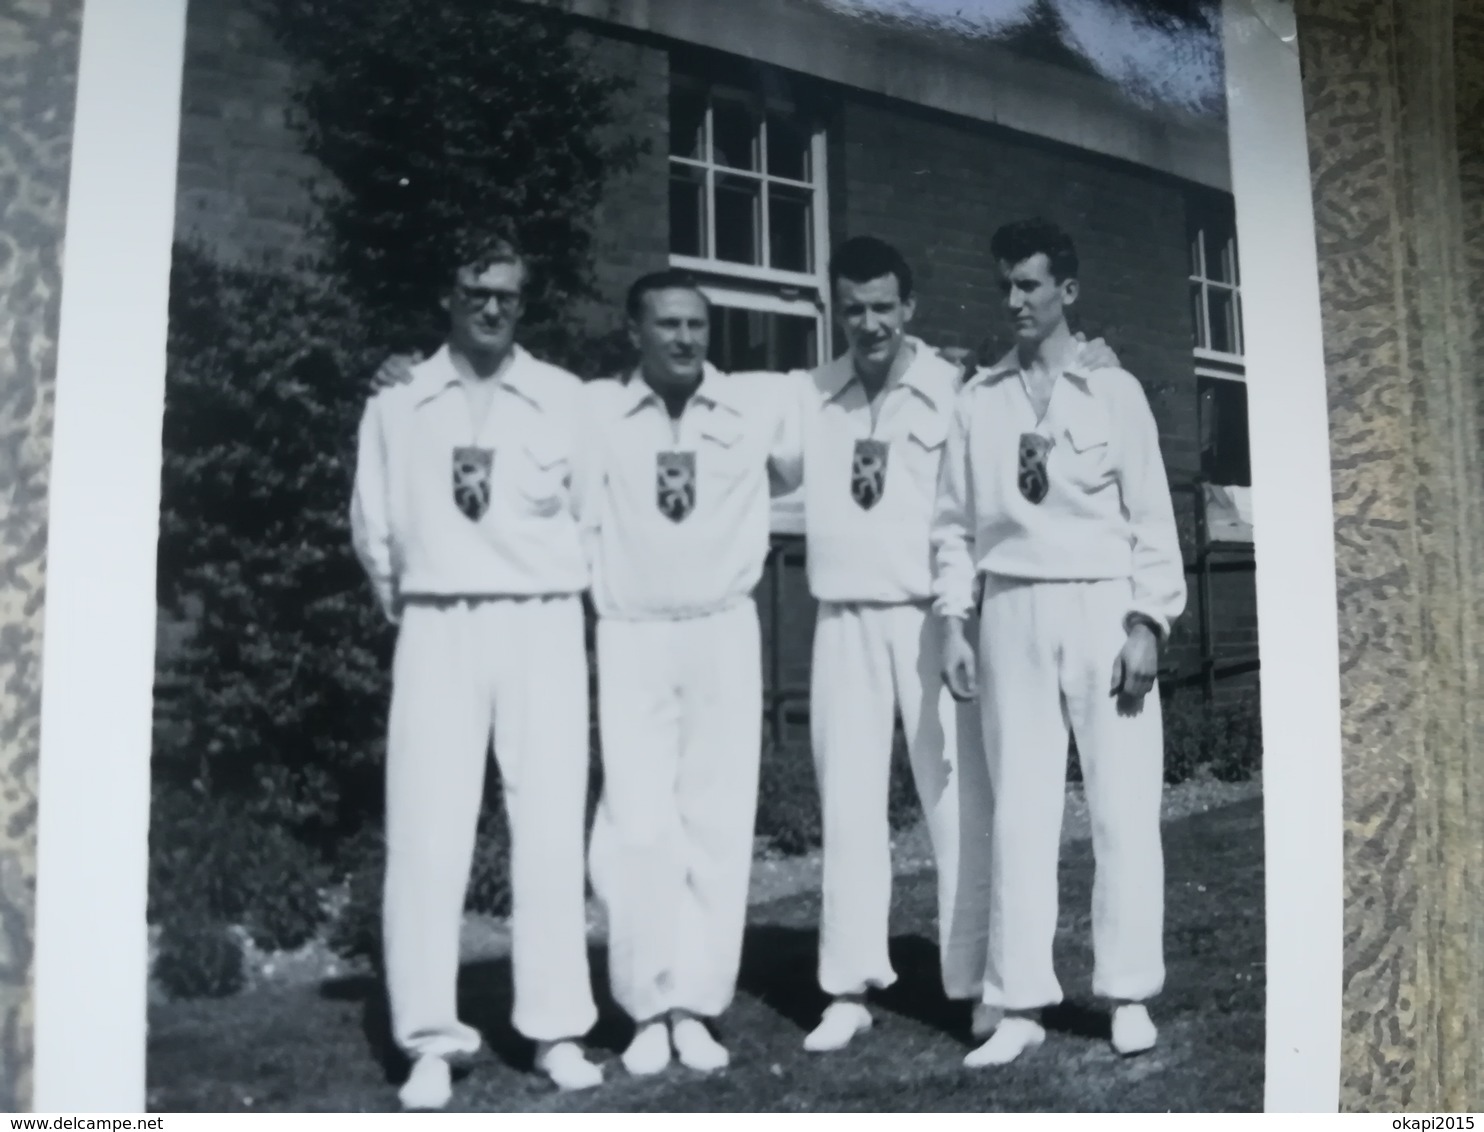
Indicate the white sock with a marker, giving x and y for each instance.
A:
(1016, 1035)
(428, 1086)
(985, 1019)
(649, 1052)
(696, 1047)
(567, 1066)
(843, 1020)
(1133, 1029)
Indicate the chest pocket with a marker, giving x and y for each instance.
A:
(923, 452)
(1087, 456)
(722, 453)
(541, 479)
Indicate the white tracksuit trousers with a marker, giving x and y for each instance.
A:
(1046, 656)
(464, 671)
(680, 708)
(870, 660)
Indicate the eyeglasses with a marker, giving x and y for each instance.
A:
(477, 298)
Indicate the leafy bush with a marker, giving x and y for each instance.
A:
(788, 799)
(489, 876)
(210, 863)
(355, 933)
(1222, 739)
(788, 812)
(200, 959)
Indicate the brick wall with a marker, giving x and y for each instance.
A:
(244, 180)
(939, 187)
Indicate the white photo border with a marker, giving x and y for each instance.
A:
(91, 936)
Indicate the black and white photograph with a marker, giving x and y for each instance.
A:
(706, 563)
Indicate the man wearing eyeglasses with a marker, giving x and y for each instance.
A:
(1053, 498)
(464, 520)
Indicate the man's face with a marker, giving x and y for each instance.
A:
(485, 307)
(874, 317)
(1036, 302)
(672, 336)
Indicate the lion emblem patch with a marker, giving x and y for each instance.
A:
(471, 481)
(868, 472)
(675, 484)
(1031, 474)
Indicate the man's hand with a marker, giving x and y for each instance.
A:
(960, 667)
(396, 370)
(1137, 665)
(1096, 354)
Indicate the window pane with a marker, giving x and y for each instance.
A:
(744, 339)
(1218, 259)
(734, 134)
(1196, 267)
(1225, 445)
(1222, 320)
(790, 220)
(738, 220)
(788, 149)
(687, 122)
(687, 211)
(796, 343)
(1198, 334)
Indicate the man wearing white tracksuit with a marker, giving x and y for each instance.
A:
(1053, 492)
(464, 520)
(679, 462)
(873, 427)
(874, 422)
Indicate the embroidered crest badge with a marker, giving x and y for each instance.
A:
(675, 484)
(1031, 474)
(868, 472)
(471, 481)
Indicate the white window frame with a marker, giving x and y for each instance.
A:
(749, 286)
(1218, 363)
(769, 302)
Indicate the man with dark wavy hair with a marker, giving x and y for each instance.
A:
(1054, 507)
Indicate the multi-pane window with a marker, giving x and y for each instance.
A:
(747, 215)
(1216, 333)
(1215, 280)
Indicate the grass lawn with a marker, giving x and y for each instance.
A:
(319, 1049)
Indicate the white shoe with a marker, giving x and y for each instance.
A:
(1133, 1029)
(842, 1021)
(567, 1066)
(985, 1020)
(696, 1047)
(428, 1086)
(1014, 1036)
(649, 1052)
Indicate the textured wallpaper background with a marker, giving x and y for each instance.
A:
(1394, 96)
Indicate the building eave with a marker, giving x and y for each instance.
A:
(975, 80)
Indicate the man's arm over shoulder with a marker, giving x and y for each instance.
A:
(370, 507)
(1159, 565)
(595, 403)
(780, 399)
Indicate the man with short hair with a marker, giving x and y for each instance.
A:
(464, 521)
(874, 422)
(678, 462)
(1054, 498)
